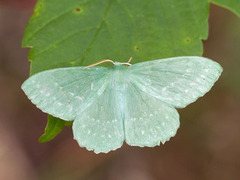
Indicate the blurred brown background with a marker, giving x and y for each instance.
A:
(206, 146)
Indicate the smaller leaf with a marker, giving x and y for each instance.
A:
(53, 128)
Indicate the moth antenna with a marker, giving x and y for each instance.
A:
(129, 60)
(127, 63)
(100, 62)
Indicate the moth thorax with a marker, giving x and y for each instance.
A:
(119, 77)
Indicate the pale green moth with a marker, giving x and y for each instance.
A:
(135, 103)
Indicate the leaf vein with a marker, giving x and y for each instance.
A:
(96, 33)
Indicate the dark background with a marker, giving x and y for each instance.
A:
(206, 146)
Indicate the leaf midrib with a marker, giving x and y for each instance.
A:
(96, 32)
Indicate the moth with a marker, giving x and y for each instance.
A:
(133, 103)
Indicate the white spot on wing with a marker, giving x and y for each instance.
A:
(79, 98)
(72, 94)
(202, 76)
(170, 99)
(199, 80)
(164, 90)
(192, 84)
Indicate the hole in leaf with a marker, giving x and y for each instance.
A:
(187, 40)
(137, 48)
(78, 10)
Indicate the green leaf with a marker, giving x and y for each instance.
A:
(80, 32)
(232, 5)
(54, 126)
